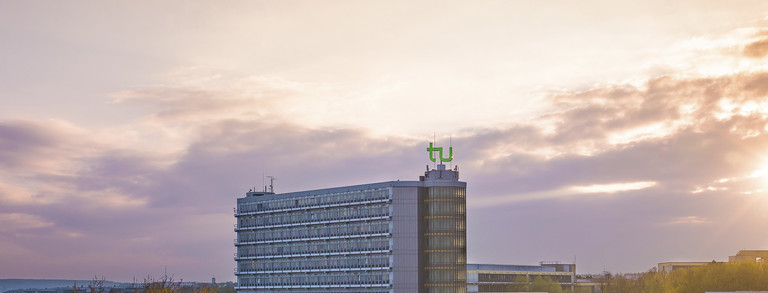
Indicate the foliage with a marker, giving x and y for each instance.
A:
(538, 284)
(522, 284)
(207, 289)
(202, 289)
(740, 276)
(162, 285)
(226, 289)
(542, 284)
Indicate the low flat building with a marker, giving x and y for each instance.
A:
(749, 255)
(742, 255)
(673, 265)
(507, 278)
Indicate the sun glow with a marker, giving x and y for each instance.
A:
(762, 176)
(614, 187)
(759, 173)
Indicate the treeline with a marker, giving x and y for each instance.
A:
(150, 285)
(739, 276)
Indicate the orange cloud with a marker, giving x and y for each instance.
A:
(757, 49)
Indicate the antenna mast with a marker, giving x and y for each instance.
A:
(271, 184)
(434, 141)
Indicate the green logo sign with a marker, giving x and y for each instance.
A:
(432, 151)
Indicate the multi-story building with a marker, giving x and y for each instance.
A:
(396, 236)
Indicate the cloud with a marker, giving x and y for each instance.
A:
(690, 220)
(747, 183)
(13, 222)
(613, 187)
(13, 195)
(693, 130)
(116, 196)
(194, 96)
(47, 147)
(561, 193)
(757, 49)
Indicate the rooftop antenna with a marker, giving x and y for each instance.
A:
(450, 144)
(271, 184)
(434, 141)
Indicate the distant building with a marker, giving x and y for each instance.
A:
(742, 255)
(671, 266)
(506, 278)
(750, 255)
(396, 236)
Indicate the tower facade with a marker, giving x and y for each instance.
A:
(396, 236)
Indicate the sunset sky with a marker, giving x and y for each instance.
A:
(620, 134)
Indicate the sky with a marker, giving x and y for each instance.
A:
(616, 134)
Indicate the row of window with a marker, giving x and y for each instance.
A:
(446, 276)
(447, 192)
(314, 200)
(445, 241)
(454, 224)
(451, 289)
(445, 235)
(330, 230)
(329, 246)
(320, 290)
(511, 288)
(445, 259)
(341, 213)
(309, 263)
(315, 279)
(452, 206)
(445, 267)
(513, 278)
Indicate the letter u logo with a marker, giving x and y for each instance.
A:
(432, 151)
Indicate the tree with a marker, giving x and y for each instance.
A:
(162, 285)
(97, 285)
(522, 284)
(740, 276)
(226, 289)
(546, 284)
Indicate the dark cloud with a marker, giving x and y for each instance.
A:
(233, 156)
(757, 49)
(121, 203)
(26, 143)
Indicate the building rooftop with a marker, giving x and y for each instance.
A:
(440, 176)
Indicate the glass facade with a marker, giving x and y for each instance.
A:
(444, 239)
(346, 239)
(312, 243)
